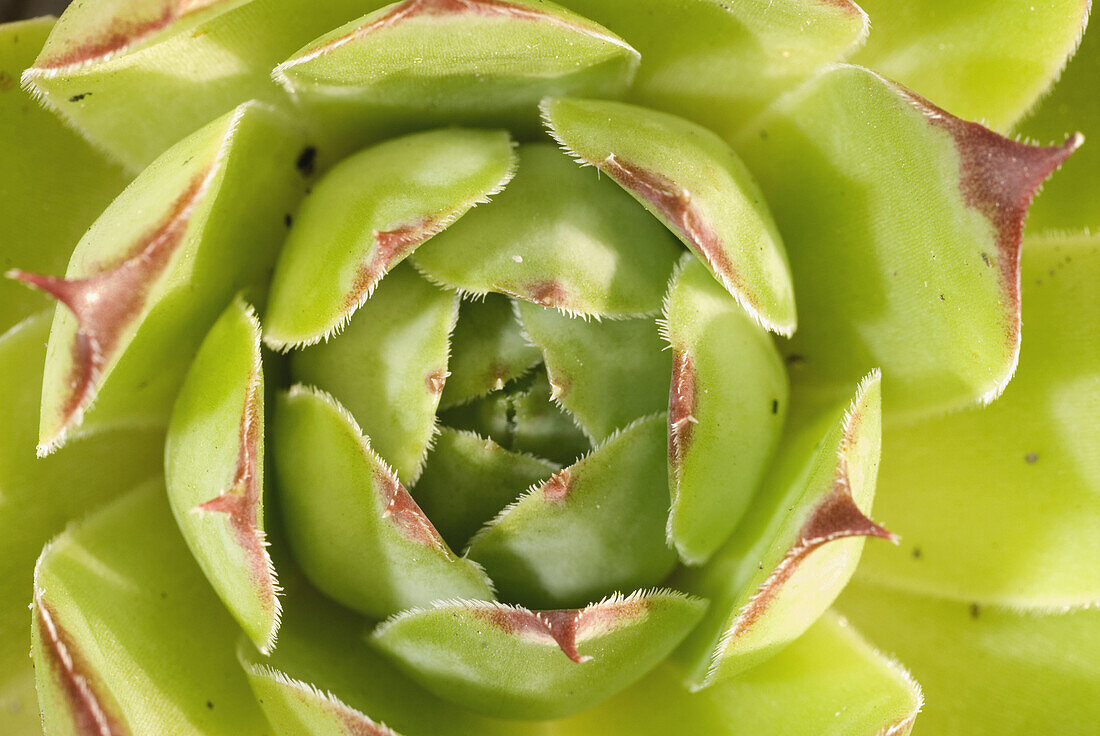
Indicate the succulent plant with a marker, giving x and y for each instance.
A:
(513, 367)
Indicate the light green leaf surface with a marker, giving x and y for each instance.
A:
(471, 652)
(593, 527)
(985, 671)
(559, 237)
(214, 469)
(388, 367)
(727, 405)
(127, 636)
(1002, 504)
(692, 181)
(354, 529)
(928, 292)
(606, 374)
(367, 215)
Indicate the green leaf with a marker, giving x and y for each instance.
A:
(388, 367)
(694, 183)
(127, 636)
(829, 682)
(367, 215)
(468, 479)
(592, 527)
(929, 292)
(354, 529)
(487, 350)
(559, 237)
(469, 652)
(988, 672)
(1002, 504)
(157, 268)
(796, 548)
(987, 60)
(52, 183)
(727, 404)
(214, 462)
(606, 374)
(477, 62)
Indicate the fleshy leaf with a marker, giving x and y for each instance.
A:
(694, 183)
(726, 408)
(985, 671)
(592, 527)
(487, 350)
(468, 479)
(606, 374)
(559, 237)
(354, 529)
(1002, 504)
(157, 268)
(796, 548)
(932, 291)
(367, 215)
(214, 462)
(987, 60)
(389, 366)
(112, 596)
(469, 652)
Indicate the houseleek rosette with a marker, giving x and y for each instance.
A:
(494, 366)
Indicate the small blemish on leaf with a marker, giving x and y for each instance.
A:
(209, 705)
(985, 258)
(306, 160)
(288, 219)
(6, 81)
(79, 97)
(942, 299)
(794, 359)
(916, 553)
(775, 406)
(975, 610)
(1031, 458)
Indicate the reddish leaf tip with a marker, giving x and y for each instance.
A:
(681, 407)
(559, 485)
(404, 512)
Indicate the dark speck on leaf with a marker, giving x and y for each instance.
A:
(288, 219)
(209, 705)
(79, 97)
(794, 359)
(1031, 458)
(941, 298)
(763, 134)
(775, 406)
(975, 610)
(985, 257)
(163, 594)
(306, 159)
(6, 81)
(916, 553)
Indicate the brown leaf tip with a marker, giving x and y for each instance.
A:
(557, 488)
(403, 511)
(435, 380)
(681, 407)
(390, 248)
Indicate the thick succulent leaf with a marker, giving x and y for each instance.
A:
(693, 182)
(829, 682)
(52, 183)
(592, 527)
(468, 479)
(428, 62)
(469, 652)
(606, 374)
(726, 407)
(389, 366)
(559, 237)
(718, 62)
(38, 496)
(137, 76)
(932, 288)
(987, 60)
(487, 350)
(354, 529)
(158, 267)
(367, 215)
(214, 462)
(127, 636)
(1002, 504)
(796, 548)
(985, 671)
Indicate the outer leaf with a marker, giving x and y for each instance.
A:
(558, 237)
(986, 60)
(726, 407)
(1002, 505)
(829, 682)
(470, 652)
(367, 215)
(606, 374)
(796, 549)
(157, 268)
(933, 295)
(988, 672)
(353, 527)
(52, 184)
(592, 527)
(389, 366)
(694, 183)
(111, 598)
